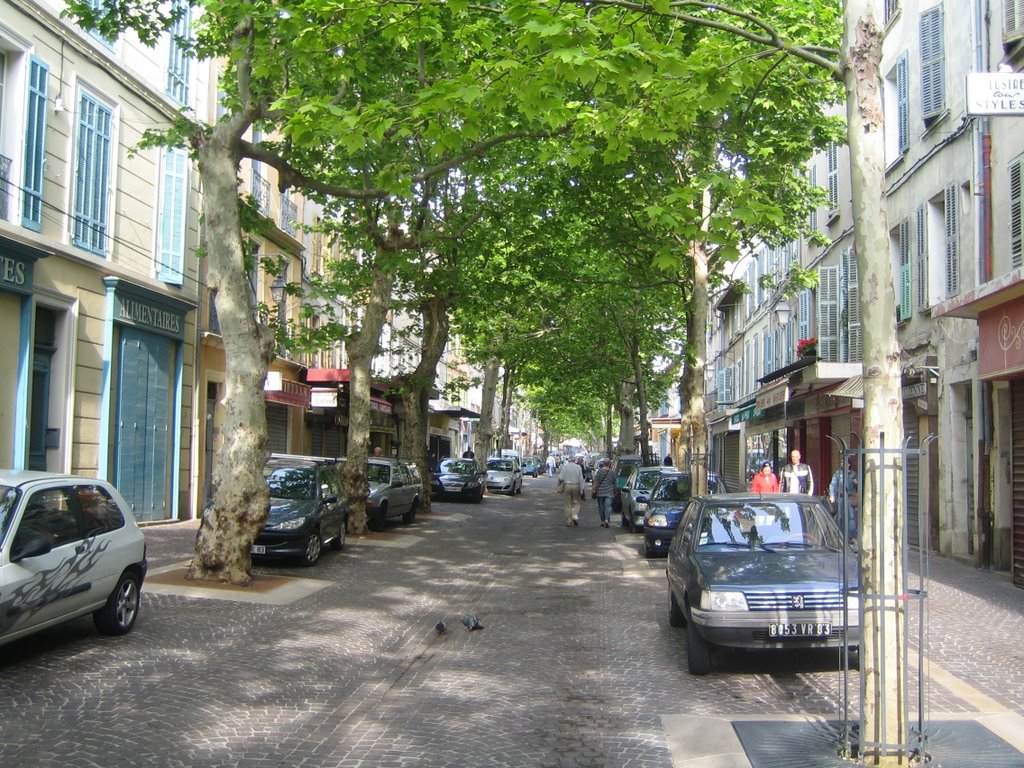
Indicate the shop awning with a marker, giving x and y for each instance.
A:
(853, 388)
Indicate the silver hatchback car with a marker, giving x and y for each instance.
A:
(69, 546)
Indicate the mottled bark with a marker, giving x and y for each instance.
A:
(881, 531)
(485, 429)
(627, 417)
(693, 424)
(239, 506)
(362, 346)
(416, 387)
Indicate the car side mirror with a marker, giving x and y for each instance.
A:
(332, 499)
(34, 547)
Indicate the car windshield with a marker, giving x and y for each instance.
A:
(291, 483)
(504, 465)
(458, 467)
(379, 473)
(771, 526)
(624, 469)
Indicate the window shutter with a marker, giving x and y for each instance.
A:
(853, 345)
(933, 66)
(35, 146)
(769, 353)
(952, 241)
(904, 268)
(903, 104)
(1016, 214)
(804, 303)
(828, 313)
(92, 171)
(832, 154)
(1013, 20)
(922, 258)
(178, 57)
(813, 221)
(173, 206)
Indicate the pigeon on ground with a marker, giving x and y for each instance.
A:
(472, 622)
(441, 627)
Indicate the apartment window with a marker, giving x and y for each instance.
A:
(952, 239)
(840, 335)
(173, 216)
(768, 341)
(900, 237)
(92, 174)
(921, 256)
(897, 106)
(107, 41)
(725, 386)
(933, 65)
(35, 147)
(832, 159)
(178, 56)
(1016, 214)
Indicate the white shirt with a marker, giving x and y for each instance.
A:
(571, 473)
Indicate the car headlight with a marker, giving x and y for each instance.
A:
(657, 521)
(289, 525)
(642, 506)
(717, 600)
(472, 483)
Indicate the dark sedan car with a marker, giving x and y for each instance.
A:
(308, 508)
(760, 571)
(665, 506)
(459, 478)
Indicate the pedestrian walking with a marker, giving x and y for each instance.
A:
(570, 483)
(841, 489)
(765, 480)
(551, 464)
(796, 477)
(603, 488)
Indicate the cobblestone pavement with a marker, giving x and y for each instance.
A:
(577, 665)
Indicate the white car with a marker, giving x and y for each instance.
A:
(68, 546)
(504, 476)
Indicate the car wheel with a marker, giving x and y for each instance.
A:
(378, 519)
(314, 546)
(676, 617)
(648, 552)
(625, 522)
(410, 515)
(479, 497)
(698, 651)
(338, 542)
(117, 616)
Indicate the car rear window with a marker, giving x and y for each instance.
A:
(291, 483)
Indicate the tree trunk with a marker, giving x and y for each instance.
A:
(627, 418)
(641, 397)
(883, 733)
(504, 438)
(693, 422)
(485, 430)
(240, 501)
(416, 390)
(362, 346)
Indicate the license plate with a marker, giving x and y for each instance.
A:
(258, 549)
(453, 487)
(800, 629)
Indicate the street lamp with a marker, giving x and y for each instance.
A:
(277, 289)
(782, 312)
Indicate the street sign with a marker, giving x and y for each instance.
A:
(995, 93)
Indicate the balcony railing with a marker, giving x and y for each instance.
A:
(289, 214)
(261, 193)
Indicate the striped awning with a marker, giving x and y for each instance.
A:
(853, 388)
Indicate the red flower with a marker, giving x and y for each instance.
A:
(807, 346)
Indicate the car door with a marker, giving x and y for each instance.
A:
(408, 488)
(332, 499)
(48, 564)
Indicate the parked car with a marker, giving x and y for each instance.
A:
(531, 466)
(624, 465)
(395, 491)
(69, 546)
(665, 506)
(308, 508)
(459, 478)
(504, 476)
(760, 571)
(636, 494)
